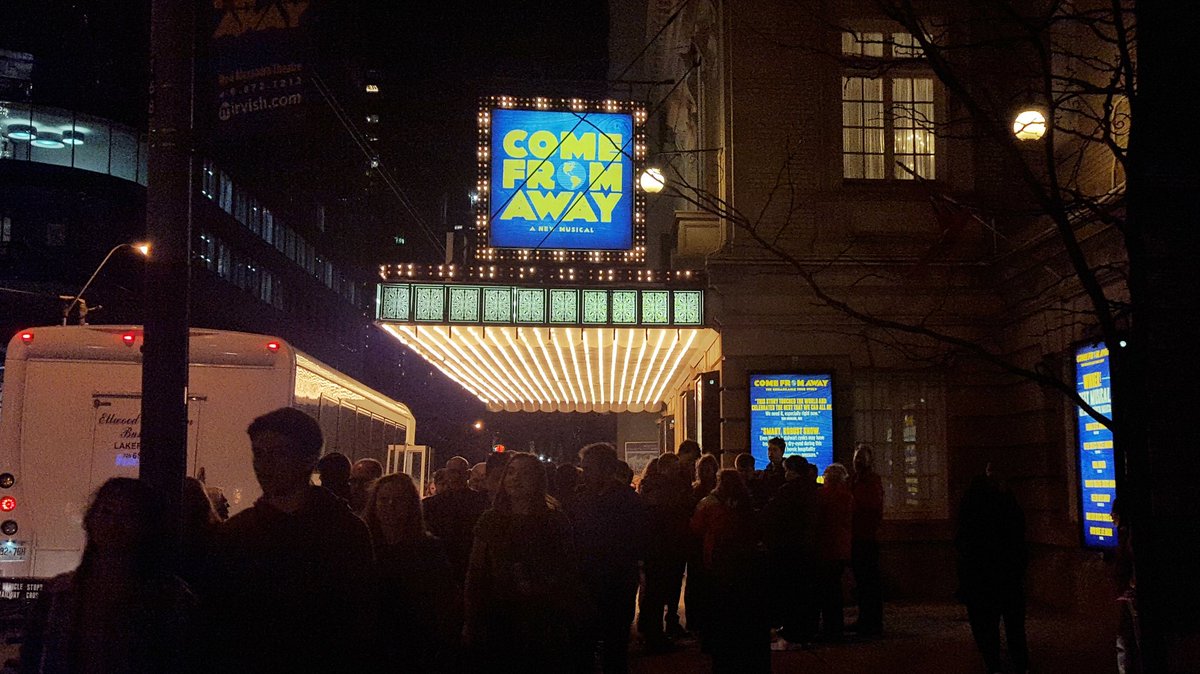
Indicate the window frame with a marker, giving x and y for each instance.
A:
(870, 418)
(887, 68)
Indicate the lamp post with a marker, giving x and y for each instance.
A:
(143, 248)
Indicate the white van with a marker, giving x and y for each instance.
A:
(72, 419)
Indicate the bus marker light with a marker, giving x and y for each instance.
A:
(7, 480)
(27, 336)
(272, 346)
(8, 504)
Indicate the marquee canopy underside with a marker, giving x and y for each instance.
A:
(562, 369)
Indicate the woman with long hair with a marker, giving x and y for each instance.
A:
(523, 588)
(420, 604)
(736, 628)
(706, 477)
(120, 610)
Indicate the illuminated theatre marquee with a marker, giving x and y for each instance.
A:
(556, 180)
(554, 349)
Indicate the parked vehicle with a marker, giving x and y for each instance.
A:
(72, 419)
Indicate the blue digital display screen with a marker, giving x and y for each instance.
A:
(1097, 474)
(561, 180)
(797, 408)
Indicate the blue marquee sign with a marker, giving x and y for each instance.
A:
(561, 180)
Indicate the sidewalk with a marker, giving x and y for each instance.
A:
(923, 638)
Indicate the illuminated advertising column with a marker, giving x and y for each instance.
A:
(1097, 474)
(797, 408)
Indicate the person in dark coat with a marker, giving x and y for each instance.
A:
(744, 463)
(335, 469)
(774, 474)
(867, 488)
(451, 515)
(992, 556)
(198, 529)
(789, 532)
(736, 627)
(565, 479)
(362, 478)
(420, 599)
(291, 588)
(120, 611)
(670, 539)
(523, 593)
(653, 592)
(609, 521)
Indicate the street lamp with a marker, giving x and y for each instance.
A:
(1029, 125)
(652, 180)
(143, 248)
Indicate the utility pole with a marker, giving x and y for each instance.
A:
(168, 225)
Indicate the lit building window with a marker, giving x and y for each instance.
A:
(372, 88)
(888, 112)
(372, 119)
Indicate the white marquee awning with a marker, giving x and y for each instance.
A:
(562, 369)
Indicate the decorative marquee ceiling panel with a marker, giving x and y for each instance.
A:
(450, 303)
(554, 368)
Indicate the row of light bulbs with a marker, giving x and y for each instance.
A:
(510, 367)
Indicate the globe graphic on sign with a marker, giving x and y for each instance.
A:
(571, 175)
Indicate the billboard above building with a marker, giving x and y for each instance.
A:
(557, 181)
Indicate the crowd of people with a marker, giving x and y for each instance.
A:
(509, 561)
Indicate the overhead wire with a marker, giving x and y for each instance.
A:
(623, 152)
(583, 118)
(377, 163)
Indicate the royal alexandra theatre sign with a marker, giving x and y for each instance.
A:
(557, 180)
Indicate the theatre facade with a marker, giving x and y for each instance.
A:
(826, 253)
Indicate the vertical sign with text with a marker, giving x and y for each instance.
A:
(258, 52)
(797, 408)
(1097, 474)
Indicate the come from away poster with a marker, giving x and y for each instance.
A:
(1097, 474)
(561, 180)
(797, 408)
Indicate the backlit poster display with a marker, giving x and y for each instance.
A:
(561, 179)
(797, 408)
(1097, 474)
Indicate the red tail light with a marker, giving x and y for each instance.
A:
(129, 338)
(27, 336)
(8, 504)
(272, 346)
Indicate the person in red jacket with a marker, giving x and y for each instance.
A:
(864, 554)
(835, 509)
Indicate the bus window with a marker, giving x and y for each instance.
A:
(347, 429)
(379, 433)
(328, 419)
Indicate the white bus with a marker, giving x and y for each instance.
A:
(72, 419)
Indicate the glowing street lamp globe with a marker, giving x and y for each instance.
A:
(652, 180)
(1029, 125)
